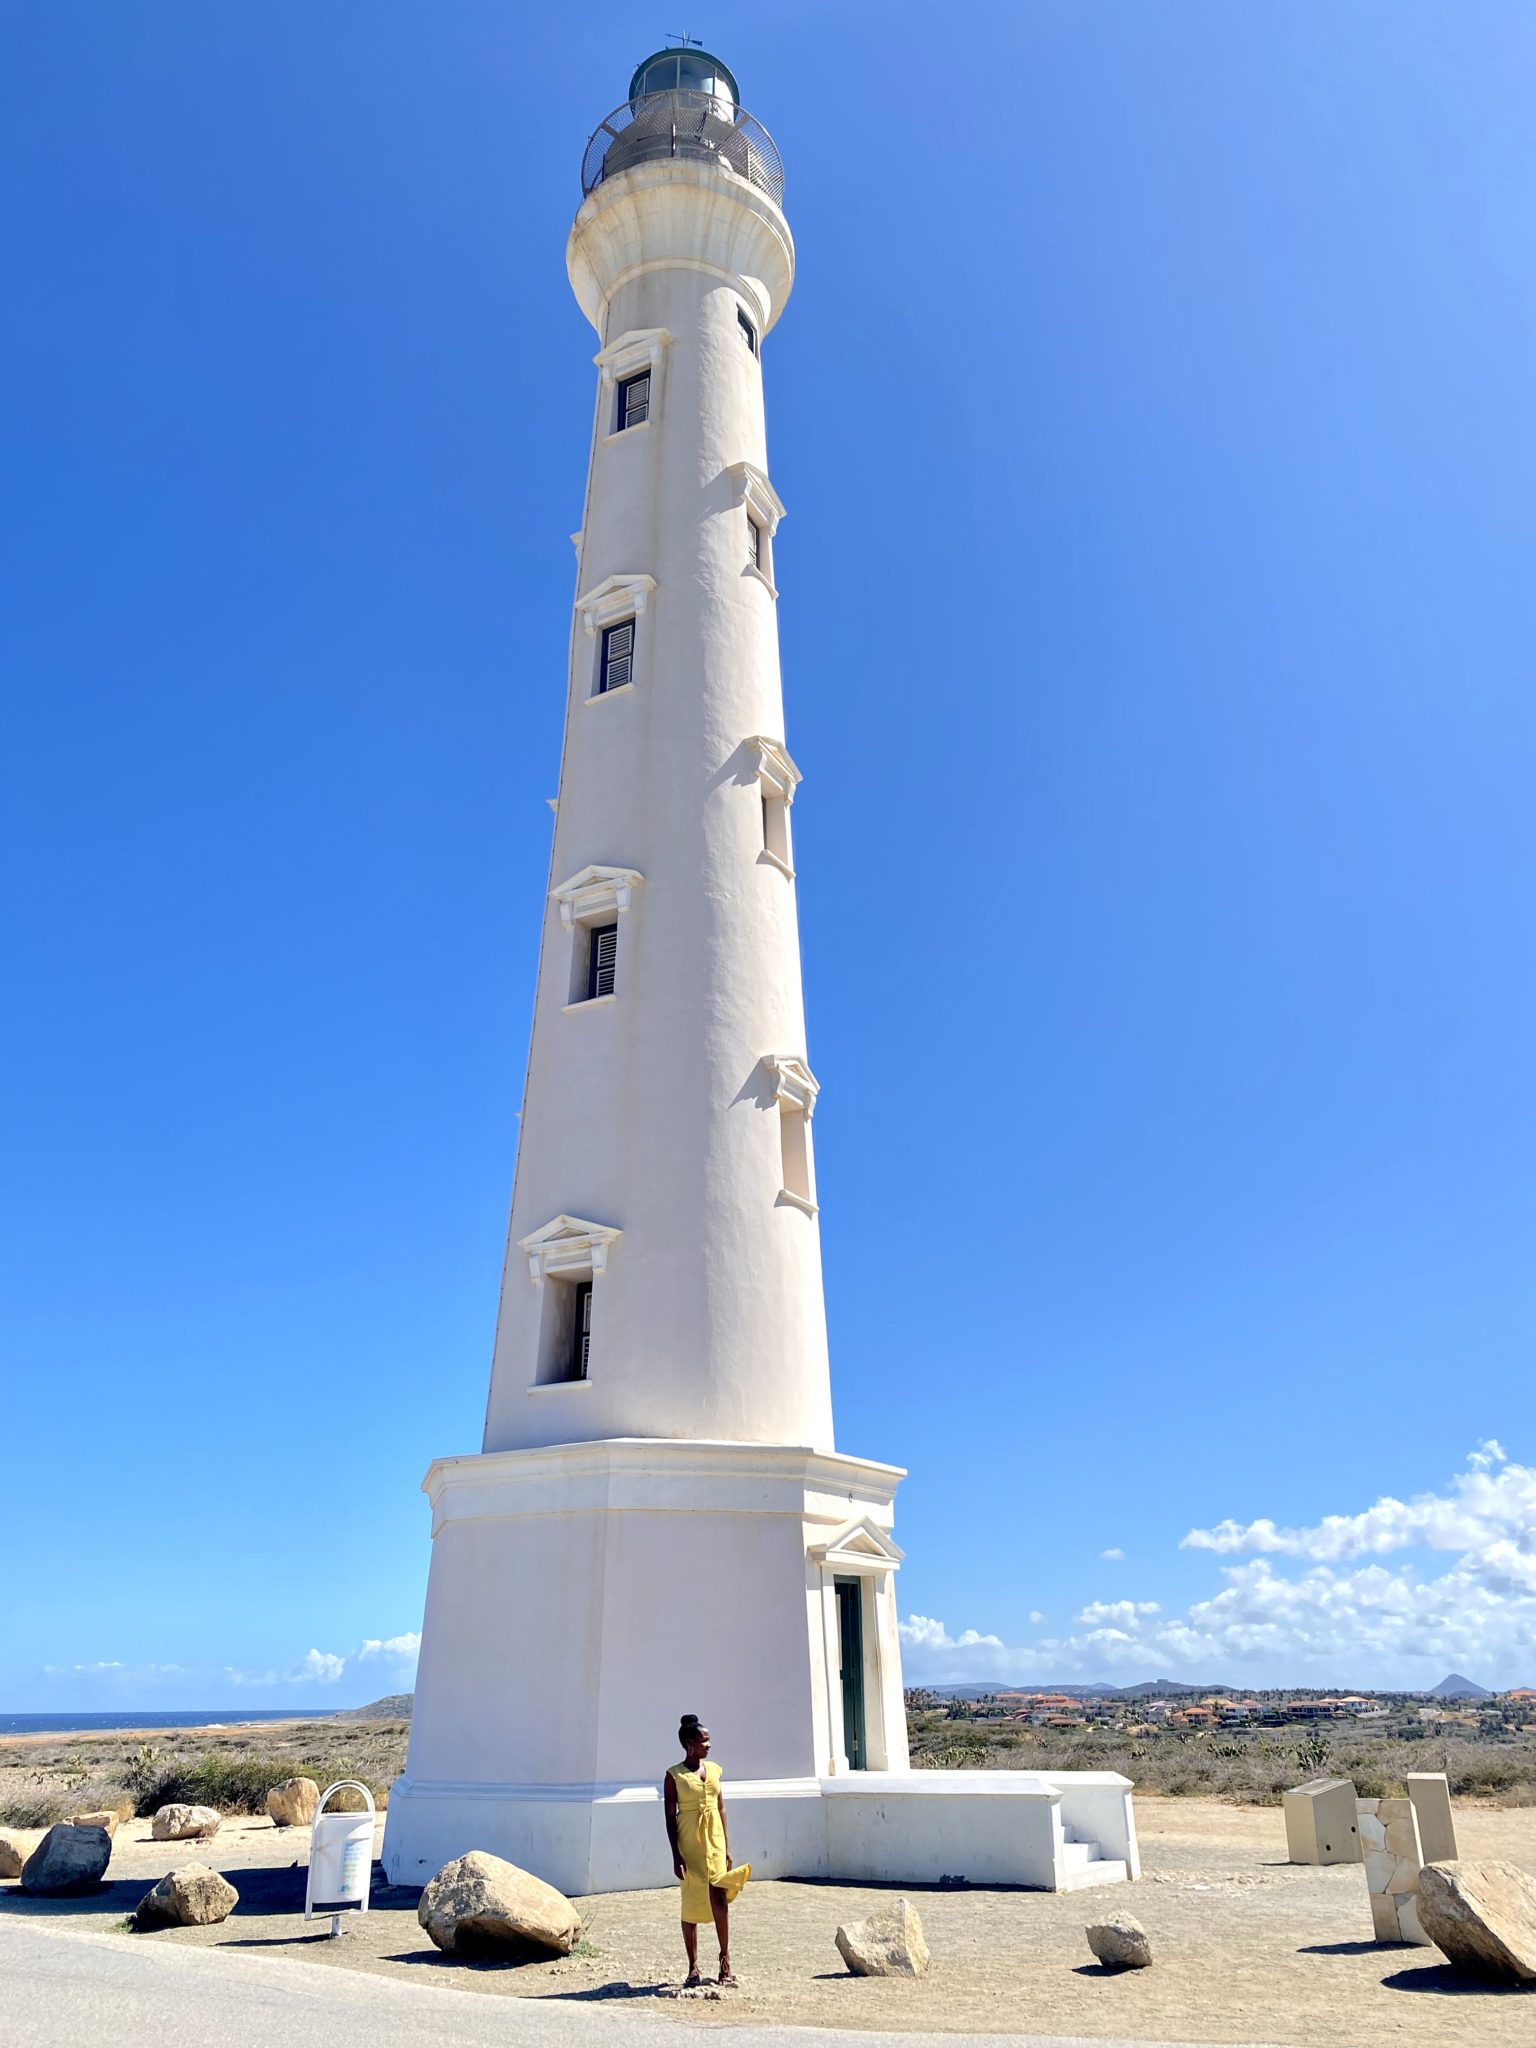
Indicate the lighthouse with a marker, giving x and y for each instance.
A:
(659, 1520)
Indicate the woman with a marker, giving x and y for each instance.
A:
(701, 1849)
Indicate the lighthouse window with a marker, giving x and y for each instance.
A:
(617, 666)
(754, 542)
(748, 331)
(581, 1347)
(795, 1140)
(776, 832)
(635, 400)
(602, 959)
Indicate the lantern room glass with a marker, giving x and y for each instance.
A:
(685, 71)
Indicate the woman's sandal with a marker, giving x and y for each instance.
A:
(693, 1981)
(728, 1981)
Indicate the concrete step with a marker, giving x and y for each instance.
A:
(1104, 1870)
(1075, 1853)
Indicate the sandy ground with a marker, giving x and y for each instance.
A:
(1249, 1948)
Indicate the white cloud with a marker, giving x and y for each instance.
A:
(327, 1668)
(1035, 1617)
(1490, 1505)
(1345, 1617)
(1098, 1613)
(1114, 1556)
(406, 1648)
(919, 1632)
(320, 1665)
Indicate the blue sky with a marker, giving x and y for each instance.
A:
(1155, 415)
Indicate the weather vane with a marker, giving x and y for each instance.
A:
(686, 42)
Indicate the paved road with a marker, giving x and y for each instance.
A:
(68, 1990)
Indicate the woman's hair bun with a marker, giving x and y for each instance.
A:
(687, 1726)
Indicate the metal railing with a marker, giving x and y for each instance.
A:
(695, 125)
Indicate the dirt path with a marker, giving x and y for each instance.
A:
(1249, 1948)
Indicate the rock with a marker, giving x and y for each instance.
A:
(107, 1819)
(479, 1904)
(1389, 1849)
(193, 1896)
(185, 1824)
(292, 1804)
(886, 1944)
(1481, 1916)
(67, 1861)
(1121, 1942)
(14, 1851)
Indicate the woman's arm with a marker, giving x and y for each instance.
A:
(669, 1806)
(725, 1829)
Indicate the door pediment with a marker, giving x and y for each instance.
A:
(857, 1546)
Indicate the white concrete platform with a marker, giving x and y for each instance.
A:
(1061, 1831)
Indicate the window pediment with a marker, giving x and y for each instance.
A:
(758, 495)
(794, 1084)
(640, 349)
(596, 893)
(616, 597)
(775, 770)
(569, 1248)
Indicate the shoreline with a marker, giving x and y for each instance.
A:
(213, 1730)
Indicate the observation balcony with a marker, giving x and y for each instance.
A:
(702, 127)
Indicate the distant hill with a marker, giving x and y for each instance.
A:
(395, 1707)
(1455, 1687)
(1167, 1688)
(1152, 1688)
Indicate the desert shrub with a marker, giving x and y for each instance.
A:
(54, 1795)
(234, 1782)
(1312, 1753)
(37, 1809)
(955, 1753)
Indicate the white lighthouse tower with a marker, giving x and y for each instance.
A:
(659, 1521)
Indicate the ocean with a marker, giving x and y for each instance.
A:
(190, 1717)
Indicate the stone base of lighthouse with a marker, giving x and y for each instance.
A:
(583, 1597)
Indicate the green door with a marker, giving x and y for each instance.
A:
(850, 1645)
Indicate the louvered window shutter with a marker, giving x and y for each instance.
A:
(749, 332)
(618, 665)
(602, 960)
(754, 542)
(635, 401)
(581, 1353)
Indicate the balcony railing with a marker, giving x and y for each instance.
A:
(695, 125)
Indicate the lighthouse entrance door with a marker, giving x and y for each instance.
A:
(850, 1644)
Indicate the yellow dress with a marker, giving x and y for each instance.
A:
(701, 1839)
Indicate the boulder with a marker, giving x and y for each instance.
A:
(1120, 1942)
(292, 1804)
(479, 1905)
(887, 1944)
(107, 1818)
(14, 1851)
(185, 1824)
(193, 1896)
(1482, 1917)
(67, 1861)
